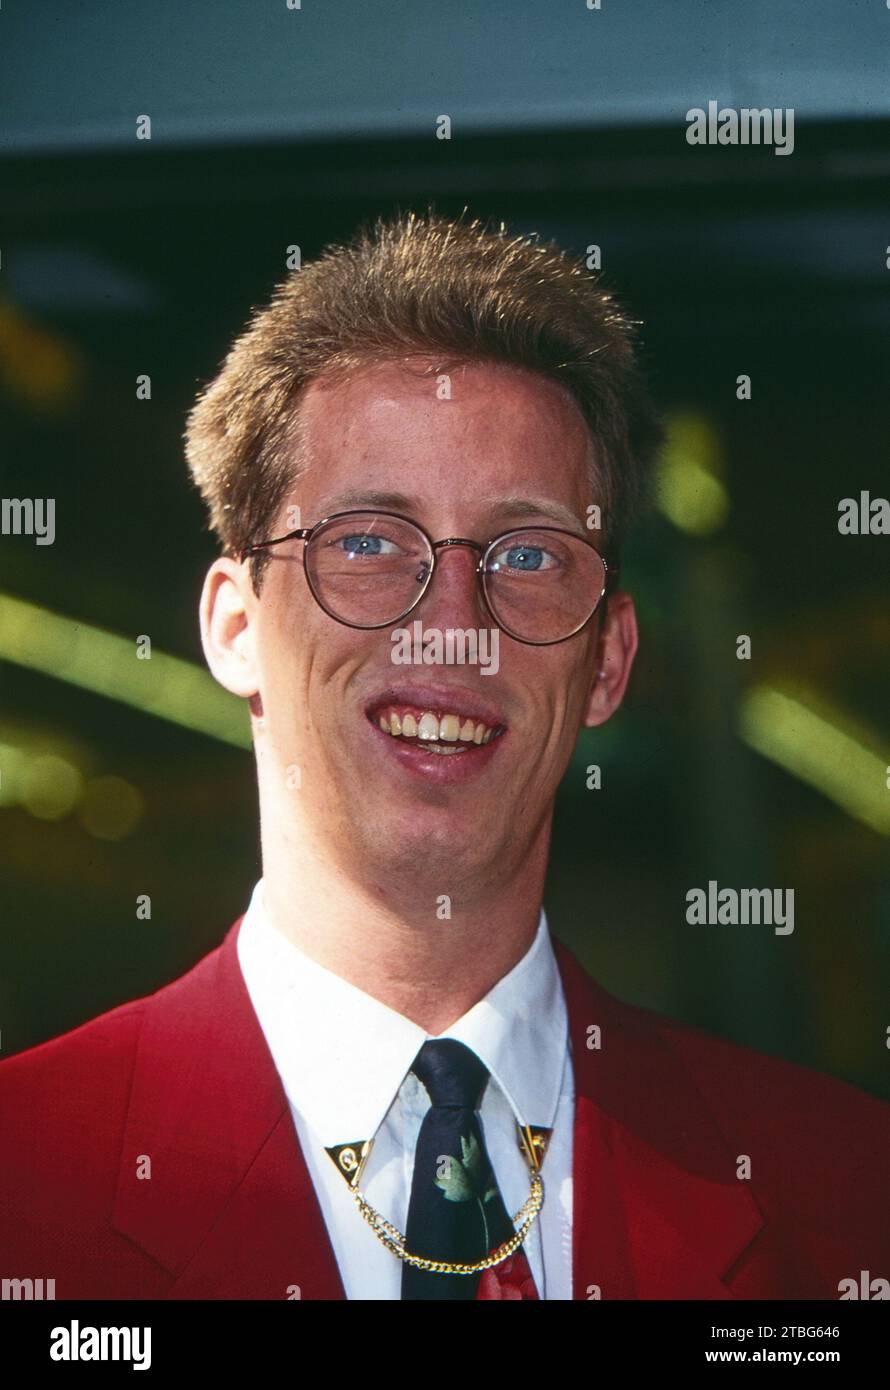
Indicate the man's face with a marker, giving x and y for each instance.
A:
(508, 449)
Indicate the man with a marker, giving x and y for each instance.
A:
(389, 1081)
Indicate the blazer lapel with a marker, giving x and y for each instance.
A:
(229, 1208)
(658, 1210)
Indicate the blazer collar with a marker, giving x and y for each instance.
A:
(230, 1211)
(229, 1207)
(658, 1210)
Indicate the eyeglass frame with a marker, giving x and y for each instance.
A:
(305, 533)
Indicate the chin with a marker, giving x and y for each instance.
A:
(443, 844)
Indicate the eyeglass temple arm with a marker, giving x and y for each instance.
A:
(300, 535)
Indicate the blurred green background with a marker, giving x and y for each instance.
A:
(771, 772)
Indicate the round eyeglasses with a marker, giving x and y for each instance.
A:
(369, 569)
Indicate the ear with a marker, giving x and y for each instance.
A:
(616, 650)
(228, 611)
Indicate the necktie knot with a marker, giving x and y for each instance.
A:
(451, 1072)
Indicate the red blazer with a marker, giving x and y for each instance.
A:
(662, 1114)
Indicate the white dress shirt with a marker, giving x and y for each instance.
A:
(344, 1060)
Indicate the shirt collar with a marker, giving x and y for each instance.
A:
(342, 1055)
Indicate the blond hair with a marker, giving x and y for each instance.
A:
(413, 286)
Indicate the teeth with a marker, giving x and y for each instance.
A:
(428, 728)
(433, 730)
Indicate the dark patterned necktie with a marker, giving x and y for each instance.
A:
(456, 1212)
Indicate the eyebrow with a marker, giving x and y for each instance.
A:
(538, 506)
(518, 507)
(365, 497)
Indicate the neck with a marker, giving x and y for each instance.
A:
(431, 969)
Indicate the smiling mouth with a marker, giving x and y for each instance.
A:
(449, 733)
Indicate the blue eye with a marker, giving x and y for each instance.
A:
(361, 545)
(525, 557)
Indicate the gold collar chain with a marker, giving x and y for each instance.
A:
(350, 1160)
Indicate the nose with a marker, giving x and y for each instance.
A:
(453, 599)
